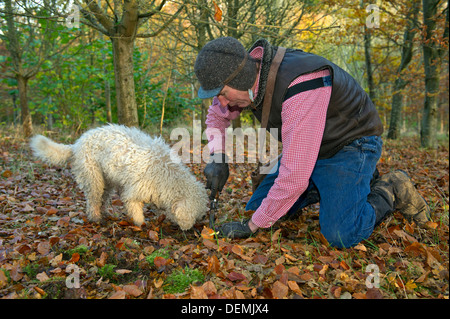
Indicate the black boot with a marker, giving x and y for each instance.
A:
(382, 199)
(395, 191)
(407, 199)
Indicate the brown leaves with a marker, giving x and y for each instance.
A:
(43, 225)
(279, 290)
(235, 276)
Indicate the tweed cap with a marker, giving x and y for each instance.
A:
(224, 61)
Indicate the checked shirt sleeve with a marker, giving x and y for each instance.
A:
(303, 117)
(218, 120)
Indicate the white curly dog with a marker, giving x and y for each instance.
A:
(142, 168)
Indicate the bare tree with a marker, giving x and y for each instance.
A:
(120, 21)
(30, 43)
(432, 58)
(400, 82)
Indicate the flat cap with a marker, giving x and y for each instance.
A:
(224, 61)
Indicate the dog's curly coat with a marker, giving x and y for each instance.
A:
(142, 168)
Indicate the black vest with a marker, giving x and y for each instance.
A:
(350, 115)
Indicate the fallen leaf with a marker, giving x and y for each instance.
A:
(118, 295)
(289, 257)
(336, 291)
(207, 233)
(159, 262)
(75, 258)
(24, 249)
(344, 265)
(431, 225)
(101, 261)
(240, 252)
(27, 208)
(63, 222)
(374, 293)
(42, 277)
(403, 235)
(294, 287)
(153, 235)
(260, 259)
(132, 290)
(359, 295)
(3, 279)
(198, 293)
(239, 294)
(213, 264)
(56, 260)
(39, 291)
(158, 282)
(123, 271)
(416, 249)
(44, 248)
(360, 247)
(323, 270)
(235, 276)
(52, 211)
(410, 285)
(306, 276)
(279, 261)
(275, 236)
(209, 288)
(279, 290)
(279, 269)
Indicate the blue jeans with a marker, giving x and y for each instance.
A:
(341, 183)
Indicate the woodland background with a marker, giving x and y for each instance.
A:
(75, 64)
(131, 62)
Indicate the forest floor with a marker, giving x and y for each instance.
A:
(47, 246)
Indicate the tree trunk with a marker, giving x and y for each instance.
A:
(25, 111)
(432, 58)
(400, 83)
(396, 111)
(367, 53)
(124, 78)
(429, 119)
(367, 58)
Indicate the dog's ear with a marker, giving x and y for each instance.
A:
(182, 215)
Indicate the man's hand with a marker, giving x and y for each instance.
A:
(238, 229)
(217, 173)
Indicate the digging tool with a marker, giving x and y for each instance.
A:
(212, 210)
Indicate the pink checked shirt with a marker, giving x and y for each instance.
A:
(303, 122)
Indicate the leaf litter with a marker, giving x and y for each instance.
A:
(44, 234)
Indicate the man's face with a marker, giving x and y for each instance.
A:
(233, 97)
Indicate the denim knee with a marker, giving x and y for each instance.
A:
(338, 239)
(345, 237)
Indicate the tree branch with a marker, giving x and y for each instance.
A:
(102, 18)
(165, 25)
(152, 12)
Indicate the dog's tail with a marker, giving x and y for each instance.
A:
(49, 151)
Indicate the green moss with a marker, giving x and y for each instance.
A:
(80, 249)
(180, 280)
(157, 253)
(107, 271)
